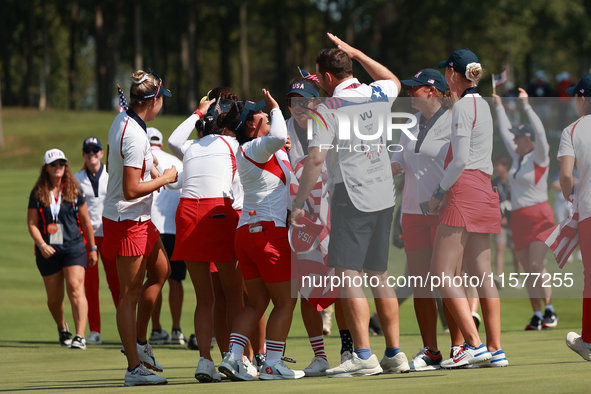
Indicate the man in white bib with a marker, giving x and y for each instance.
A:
(362, 197)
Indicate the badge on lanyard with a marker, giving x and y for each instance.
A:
(55, 229)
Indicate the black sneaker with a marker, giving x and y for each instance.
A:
(375, 328)
(78, 343)
(550, 319)
(535, 324)
(65, 336)
(477, 319)
(259, 359)
(192, 344)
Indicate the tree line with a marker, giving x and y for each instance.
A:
(71, 54)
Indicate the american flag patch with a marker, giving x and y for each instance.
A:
(431, 81)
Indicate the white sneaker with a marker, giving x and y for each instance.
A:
(94, 338)
(499, 359)
(356, 367)
(346, 356)
(177, 338)
(234, 369)
(140, 376)
(78, 343)
(147, 357)
(422, 362)
(396, 364)
(326, 321)
(454, 351)
(159, 338)
(206, 372)
(279, 371)
(468, 355)
(576, 343)
(250, 368)
(317, 367)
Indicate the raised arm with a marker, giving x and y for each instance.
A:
(376, 70)
(504, 125)
(181, 134)
(541, 150)
(263, 147)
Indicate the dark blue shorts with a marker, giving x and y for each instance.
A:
(73, 256)
(358, 240)
(178, 268)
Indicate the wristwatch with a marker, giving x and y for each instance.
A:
(297, 205)
(93, 248)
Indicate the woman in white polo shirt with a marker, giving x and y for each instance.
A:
(422, 161)
(93, 179)
(130, 235)
(531, 214)
(471, 213)
(575, 147)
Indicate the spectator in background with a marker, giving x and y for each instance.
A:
(93, 179)
(56, 205)
(163, 213)
(501, 166)
(563, 82)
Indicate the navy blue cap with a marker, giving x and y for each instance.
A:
(459, 60)
(92, 141)
(250, 108)
(428, 77)
(304, 89)
(583, 87)
(157, 92)
(220, 107)
(525, 130)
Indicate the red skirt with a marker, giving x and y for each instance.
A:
(205, 230)
(128, 238)
(527, 223)
(418, 231)
(472, 203)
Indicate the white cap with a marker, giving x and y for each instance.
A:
(53, 155)
(154, 135)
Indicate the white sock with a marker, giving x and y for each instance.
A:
(274, 351)
(237, 344)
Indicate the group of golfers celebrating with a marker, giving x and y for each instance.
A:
(238, 202)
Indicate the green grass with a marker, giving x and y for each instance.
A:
(31, 358)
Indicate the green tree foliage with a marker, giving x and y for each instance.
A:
(406, 35)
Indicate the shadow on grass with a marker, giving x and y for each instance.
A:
(87, 385)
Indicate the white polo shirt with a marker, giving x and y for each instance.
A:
(128, 147)
(576, 142)
(265, 174)
(166, 201)
(95, 196)
(423, 165)
(528, 175)
(471, 138)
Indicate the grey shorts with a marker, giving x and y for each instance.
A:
(358, 240)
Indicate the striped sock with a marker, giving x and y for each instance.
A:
(274, 351)
(318, 346)
(237, 344)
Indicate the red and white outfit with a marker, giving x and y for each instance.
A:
(528, 177)
(166, 200)
(576, 142)
(205, 220)
(265, 174)
(471, 201)
(312, 263)
(423, 163)
(95, 192)
(126, 223)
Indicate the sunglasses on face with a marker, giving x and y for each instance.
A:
(302, 102)
(94, 149)
(61, 163)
